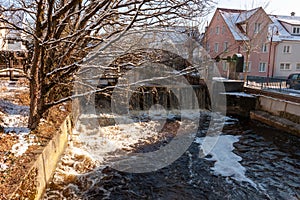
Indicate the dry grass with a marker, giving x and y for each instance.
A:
(19, 166)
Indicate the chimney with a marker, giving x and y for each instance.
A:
(293, 13)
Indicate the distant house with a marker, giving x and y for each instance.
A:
(12, 40)
(12, 47)
(285, 32)
(245, 32)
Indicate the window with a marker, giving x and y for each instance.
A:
(216, 47)
(217, 30)
(249, 67)
(285, 66)
(296, 30)
(262, 67)
(257, 27)
(286, 49)
(298, 67)
(264, 48)
(223, 29)
(225, 46)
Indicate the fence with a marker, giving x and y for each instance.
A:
(267, 83)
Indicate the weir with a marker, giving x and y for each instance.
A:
(169, 81)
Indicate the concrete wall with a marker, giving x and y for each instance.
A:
(41, 171)
(278, 107)
(284, 115)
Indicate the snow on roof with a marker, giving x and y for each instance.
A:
(234, 17)
(231, 19)
(282, 33)
(293, 20)
(246, 15)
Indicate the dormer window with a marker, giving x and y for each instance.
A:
(296, 30)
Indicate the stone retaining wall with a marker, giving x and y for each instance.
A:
(41, 170)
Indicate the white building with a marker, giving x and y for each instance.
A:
(285, 33)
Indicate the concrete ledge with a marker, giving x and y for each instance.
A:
(41, 169)
(276, 121)
(279, 107)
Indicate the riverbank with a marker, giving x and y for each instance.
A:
(19, 147)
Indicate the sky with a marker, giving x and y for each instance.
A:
(278, 7)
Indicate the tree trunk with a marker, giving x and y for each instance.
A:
(34, 116)
(35, 87)
(246, 66)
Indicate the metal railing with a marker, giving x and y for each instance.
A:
(267, 83)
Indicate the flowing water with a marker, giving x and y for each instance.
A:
(249, 161)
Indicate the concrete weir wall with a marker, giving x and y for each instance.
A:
(41, 171)
(279, 113)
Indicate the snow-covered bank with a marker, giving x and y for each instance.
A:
(13, 121)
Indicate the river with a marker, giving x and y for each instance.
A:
(249, 161)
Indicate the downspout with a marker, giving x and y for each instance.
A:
(273, 62)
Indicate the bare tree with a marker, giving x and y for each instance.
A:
(63, 32)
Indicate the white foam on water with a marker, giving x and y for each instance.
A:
(106, 139)
(227, 163)
(101, 140)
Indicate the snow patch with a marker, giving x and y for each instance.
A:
(15, 118)
(3, 167)
(240, 94)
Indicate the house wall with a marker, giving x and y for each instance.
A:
(256, 58)
(257, 39)
(224, 35)
(293, 58)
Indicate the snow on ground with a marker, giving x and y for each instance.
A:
(14, 118)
